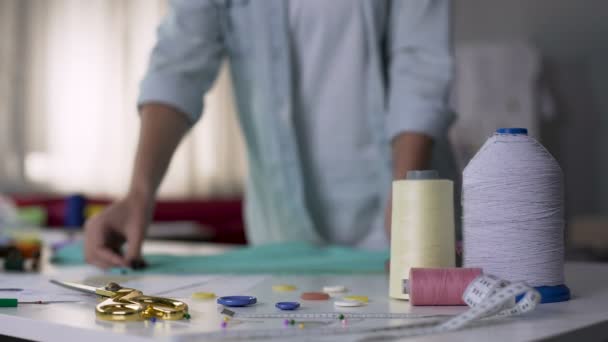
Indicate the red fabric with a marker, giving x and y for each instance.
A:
(224, 216)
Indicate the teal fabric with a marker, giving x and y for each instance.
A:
(277, 258)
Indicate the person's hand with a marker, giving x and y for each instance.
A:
(123, 221)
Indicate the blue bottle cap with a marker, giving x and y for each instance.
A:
(237, 301)
(513, 130)
(74, 211)
(287, 305)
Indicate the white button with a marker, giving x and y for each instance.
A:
(347, 303)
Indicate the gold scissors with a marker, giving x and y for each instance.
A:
(125, 304)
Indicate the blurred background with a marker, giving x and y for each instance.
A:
(69, 74)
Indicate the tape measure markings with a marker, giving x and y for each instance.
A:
(277, 333)
(329, 315)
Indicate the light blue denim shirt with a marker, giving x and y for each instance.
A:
(406, 68)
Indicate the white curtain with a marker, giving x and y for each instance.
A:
(84, 63)
(11, 90)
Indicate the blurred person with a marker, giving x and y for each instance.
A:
(335, 99)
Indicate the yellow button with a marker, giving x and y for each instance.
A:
(283, 288)
(203, 295)
(363, 299)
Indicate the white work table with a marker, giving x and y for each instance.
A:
(582, 317)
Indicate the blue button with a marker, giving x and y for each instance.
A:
(287, 305)
(237, 300)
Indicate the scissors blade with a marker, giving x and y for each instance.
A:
(76, 286)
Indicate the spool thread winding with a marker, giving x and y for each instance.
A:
(440, 286)
(422, 229)
(513, 211)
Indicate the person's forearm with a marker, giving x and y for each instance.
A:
(161, 129)
(411, 151)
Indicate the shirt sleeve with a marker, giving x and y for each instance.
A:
(420, 67)
(186, 58)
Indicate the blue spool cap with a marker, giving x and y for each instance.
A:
(237, 301)
(287, 305)
(553, 294)
(513, 130)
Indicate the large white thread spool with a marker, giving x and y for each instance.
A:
(513, 213)
(422, 227)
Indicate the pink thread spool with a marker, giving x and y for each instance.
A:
(438, 286)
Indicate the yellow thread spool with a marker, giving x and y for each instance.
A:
(422, 227)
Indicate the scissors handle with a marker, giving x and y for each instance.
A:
(163, 308)
(132, 305)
